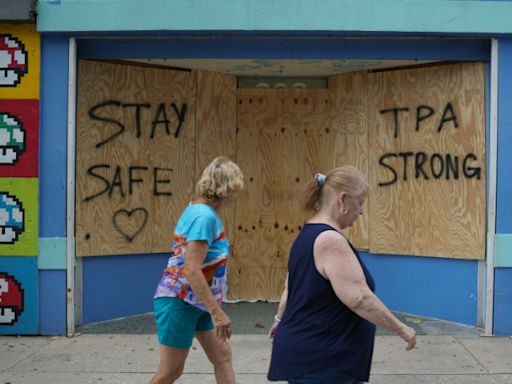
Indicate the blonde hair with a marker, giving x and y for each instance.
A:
(342, 179)
(219, 179)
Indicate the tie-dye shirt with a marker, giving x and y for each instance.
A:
(197, 222)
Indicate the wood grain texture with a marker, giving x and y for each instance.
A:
(279, 149)
(350, 128)
(425, 215)
(136, 217)
(215, 117)
(280, 138)
(216, 128)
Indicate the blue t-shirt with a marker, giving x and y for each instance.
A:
(197, 222)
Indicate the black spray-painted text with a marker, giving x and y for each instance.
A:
(413, 165)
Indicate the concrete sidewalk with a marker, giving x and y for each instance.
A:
(130, 359)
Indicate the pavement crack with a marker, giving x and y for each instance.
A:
(25, 358)
(473, 356)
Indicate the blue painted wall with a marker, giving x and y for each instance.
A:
(52, 185)
(433, 287)
(504, 204)
(52, 302)
(503, 301)
(284, 46)
(503, 276)
(53, 136)
(118, 286)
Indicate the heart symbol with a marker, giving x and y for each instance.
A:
(130, 223)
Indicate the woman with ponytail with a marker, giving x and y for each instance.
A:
(324, 330)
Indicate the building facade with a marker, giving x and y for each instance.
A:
(111, 109)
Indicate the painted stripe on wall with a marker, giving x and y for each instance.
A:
(283, 47)
(118, 286)
(52, 302)
(503, 250)
(432, 287)
(330, 15)
(53, 133)
(503, 302)
(52, 253)
(504, 195)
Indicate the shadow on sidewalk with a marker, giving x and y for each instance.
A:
(256, 318)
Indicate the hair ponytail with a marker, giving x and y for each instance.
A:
(342, 179)
(311, 195)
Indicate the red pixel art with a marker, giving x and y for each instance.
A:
(13, 61)
(19, 123)
(11, 299)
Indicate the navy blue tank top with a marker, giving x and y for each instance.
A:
(317, 330)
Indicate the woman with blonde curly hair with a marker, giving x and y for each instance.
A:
(188, 298)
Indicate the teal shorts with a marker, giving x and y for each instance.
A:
(177, 322)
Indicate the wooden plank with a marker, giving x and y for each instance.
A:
(258, 100)
(428, 173)
(304, 100)
(291, 100)
(256, 283)
(279, 151)
(216, 128)
(350, 129)
(215, 117)
(134, 159)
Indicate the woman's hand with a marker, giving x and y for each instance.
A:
(272, 330)
(409, 335)
(222, 324)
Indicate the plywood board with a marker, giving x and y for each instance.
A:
(427, 161)
(278, 151)
(135, 156)
(216, 128)
(255, 283)
(350, 129)
(215, 117)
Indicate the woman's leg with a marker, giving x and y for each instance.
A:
(172, 362)
(219, 353)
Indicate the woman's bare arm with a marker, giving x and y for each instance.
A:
(195, 254)
(335, 260)
(280, 310)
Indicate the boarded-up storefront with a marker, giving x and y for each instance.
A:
(144, 134)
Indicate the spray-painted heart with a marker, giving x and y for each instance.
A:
(130, 223)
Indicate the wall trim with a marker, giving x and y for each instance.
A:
(409, 16)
